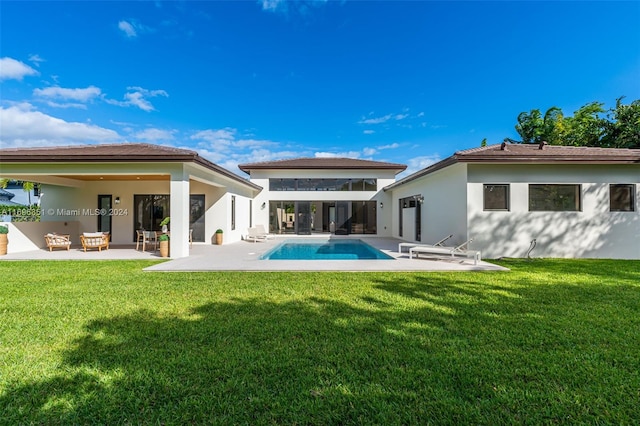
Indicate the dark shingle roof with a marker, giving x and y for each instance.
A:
(325, 163)
(547, 153)
(113, 153)
(532, 154)
(104, 152)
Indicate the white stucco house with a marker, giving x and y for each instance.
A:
(575, 202)
(511, 199)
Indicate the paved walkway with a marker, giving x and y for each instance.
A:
(244, 256)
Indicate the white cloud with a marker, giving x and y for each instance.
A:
(344, 154)
(81, 95)
(218, 140)
(137, 97)
(368, 132)
(418, 163)
(391, 146)
(421, 114)
(272, 5)
(253, 143)
(23, 126)
(36, 59)
(131, 28)
(66, 105)
(376, 120)
(153, 134)
(368, 152)
(301, 8)
(128, 29)
(400, 116)
(11, 69)
(224, 145)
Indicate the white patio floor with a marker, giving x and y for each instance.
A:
(245, 256)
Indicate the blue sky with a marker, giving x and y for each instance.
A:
(407, 82)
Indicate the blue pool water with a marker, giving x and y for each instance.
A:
(324, 250)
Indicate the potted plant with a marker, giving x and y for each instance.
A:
(4, 230)
(163, 239)
(219, 237)
(164, 224)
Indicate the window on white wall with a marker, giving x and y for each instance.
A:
(622, 197)
(554, 198)
(496, 197)
(233, 212)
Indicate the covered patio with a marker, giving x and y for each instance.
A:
(123, 188)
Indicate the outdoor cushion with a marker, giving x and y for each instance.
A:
(92, 234)
(97, 240)
(57, 241)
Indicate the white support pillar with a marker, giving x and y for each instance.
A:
(179, 243)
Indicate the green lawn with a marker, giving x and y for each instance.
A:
(552, 341)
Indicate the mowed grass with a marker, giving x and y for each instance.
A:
(552, 341)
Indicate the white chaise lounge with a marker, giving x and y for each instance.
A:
(263, 232)
(447, 252)
(254, 235)
(409, 245)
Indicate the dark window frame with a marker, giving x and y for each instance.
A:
(631, 206)
(556, 193)
(507, 197)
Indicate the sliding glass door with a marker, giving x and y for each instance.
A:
(303, 214)
(104, 220)
(337, 217)
(148, 212)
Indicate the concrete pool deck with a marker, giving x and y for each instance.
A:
(245, 256)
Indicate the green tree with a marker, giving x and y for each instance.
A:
(529, 126)
(534, 128)
(623, 126)
(586, 127)
(589, 126)
(554, 127)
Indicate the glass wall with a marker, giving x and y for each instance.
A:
(321, 184)
(148, 212)
(339, 217)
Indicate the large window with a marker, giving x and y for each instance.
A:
(554, 198)
(317, 184)
(622, 197)
(496, 197)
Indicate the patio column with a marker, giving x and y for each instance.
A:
(179, 243)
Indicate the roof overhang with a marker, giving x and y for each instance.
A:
(140, 161)
(528, 154)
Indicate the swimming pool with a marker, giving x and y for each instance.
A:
(339, 249)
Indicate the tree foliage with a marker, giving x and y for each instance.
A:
(26, 186)
(590, 125)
